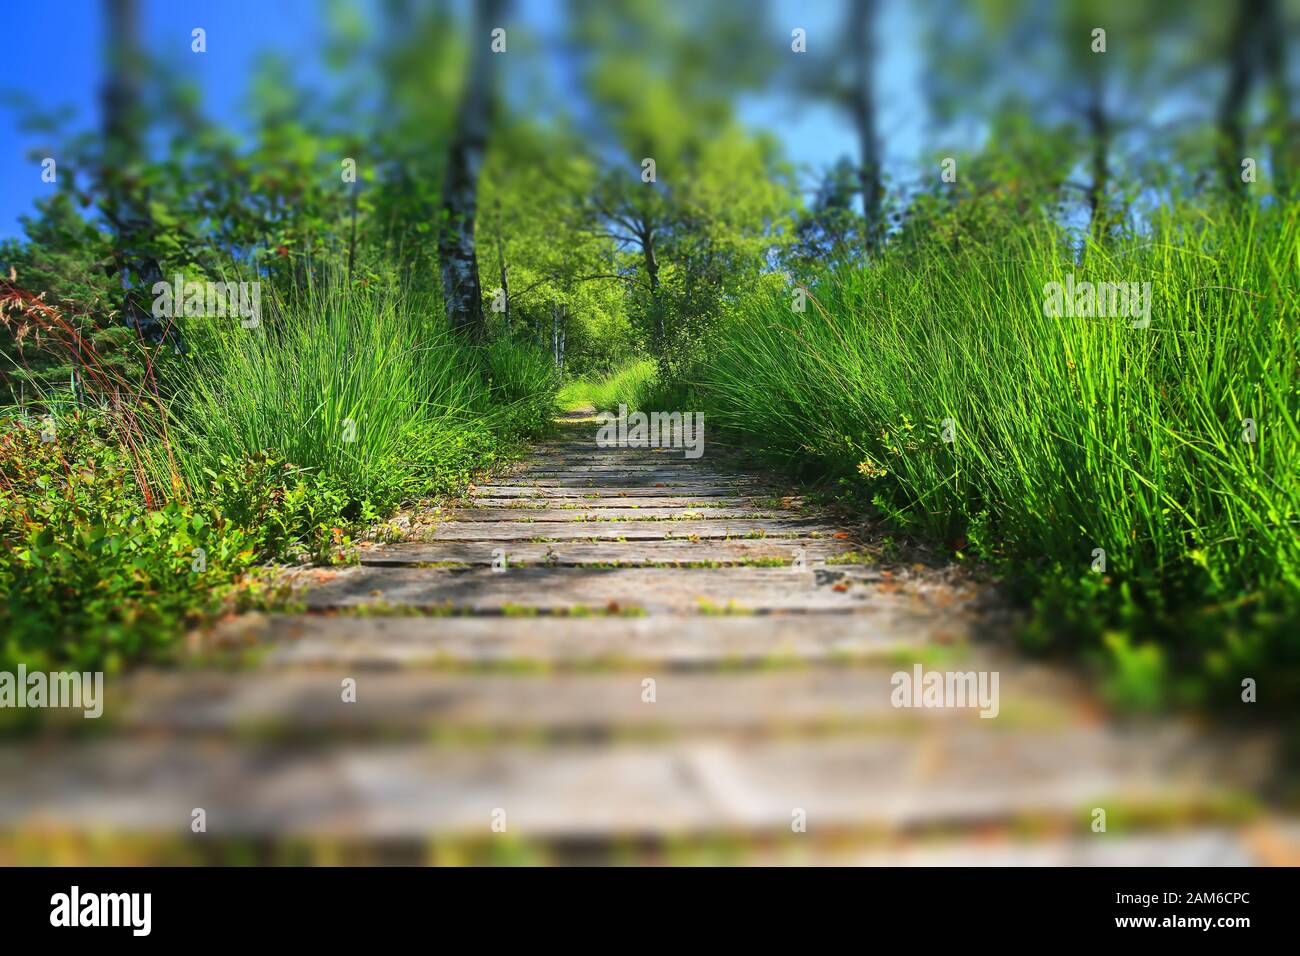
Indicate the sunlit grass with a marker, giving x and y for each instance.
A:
(624, 386)
(1070, 436)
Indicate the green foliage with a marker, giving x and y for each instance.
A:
(349, 381)
(271, 443)
(90, 576)
(288, 511)
(65, 261)
(627, 385)
(350, 398)
(531, 193)
(1069, 434)
(831, 230)
(522, 384)
(248, 462)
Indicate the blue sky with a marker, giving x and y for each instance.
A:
(54, 56)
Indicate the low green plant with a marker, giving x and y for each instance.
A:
(90, 575)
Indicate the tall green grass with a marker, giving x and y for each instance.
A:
(626, 385)
(365, 386)
(1069, 435)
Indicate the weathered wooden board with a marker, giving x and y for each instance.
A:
(676, 642)
(649, 457)
(660, 489)
(524, 691)
(963, 774)
(634, 553)
(655, 590)
(605, 503)
(630, 530)
(488, 513)
(626, 478)
(753, 702)
(635, 470)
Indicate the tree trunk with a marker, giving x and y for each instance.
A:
(862, 107)
(564, 335)
(1099, 132)
(1232, 133)
(651, 260)
(1282, 151)
(352, 238)
(647, 239)
(501, 263)
(125, 205)
(456, 251)
(555, 335)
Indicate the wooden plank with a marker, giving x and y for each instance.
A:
(637, 469)
(648, 456)
(677, 642)
(621, 590)
(959, 776)
(483, 704)
(624, 478)
(630, 530)
(666, 490)
(573, 479)
(702, 467)
(607, 503)
(1200, 847)
(547, 706)
(581, 454)
(481, 512)
(632, 553)
(585, 452)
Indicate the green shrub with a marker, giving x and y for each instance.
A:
(90, 575)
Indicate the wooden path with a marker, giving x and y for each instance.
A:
(648, 678)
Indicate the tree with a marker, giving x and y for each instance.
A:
(124, 199)
(456, 249)
(661, 79)
(861, 101)
(845, 79)
(535, 179)
(1055, 64)
(830, 231)
(1255, 53)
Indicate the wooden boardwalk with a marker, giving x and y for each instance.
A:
(648, 677)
